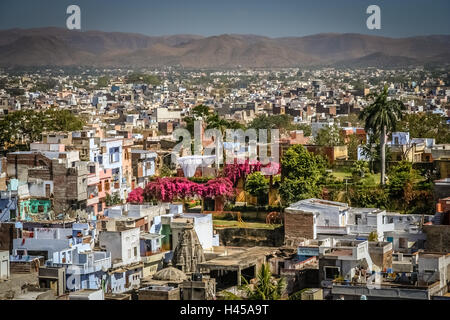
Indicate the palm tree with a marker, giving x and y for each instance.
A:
(266, 288)
(381, 117)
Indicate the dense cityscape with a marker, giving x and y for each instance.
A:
(92, 204)
(224, 156)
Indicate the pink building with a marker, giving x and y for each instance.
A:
(99, 184)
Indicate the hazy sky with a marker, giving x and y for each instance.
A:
(274, 18)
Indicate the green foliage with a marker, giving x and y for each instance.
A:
(113, 199)
(372, 151)
(257, 185)
(381, 117)
(25, 126)
(399, 176)
(15, 92)
(45, 86)
(165, 171)
(283, 122)
(329, 136)
(373, 236)
(266, 288)
(143, 78)
(352, 147)
(212, 120)
(368, 197)
(303, 174)
(359, 169)
(407, 193)
(307, 131)
(102, 82)
(426, 125)
(351, 118)
(200, 179)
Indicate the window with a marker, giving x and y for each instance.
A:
(129, 253)
(135, 251)
(99, 186)
(91, 169)
(331, 273)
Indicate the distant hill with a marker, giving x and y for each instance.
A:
(378, 59)
(61, 47)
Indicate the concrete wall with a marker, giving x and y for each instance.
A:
(123, 245)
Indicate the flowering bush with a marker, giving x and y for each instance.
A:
(136, 196)
(216, 187)
(236, 170)
(169, 189)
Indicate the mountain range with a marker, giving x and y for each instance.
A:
(61, 47)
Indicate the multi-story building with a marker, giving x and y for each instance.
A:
(143, 162)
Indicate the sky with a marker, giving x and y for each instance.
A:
(273, 18)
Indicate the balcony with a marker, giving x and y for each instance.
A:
(93, 179)
(92, 201)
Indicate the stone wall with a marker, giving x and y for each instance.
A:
(438, 238)
(249, 237)
(298, 225)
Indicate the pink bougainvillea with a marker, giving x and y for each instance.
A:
(216, 187)
(235, 170)
(136, 196)
(169, 189)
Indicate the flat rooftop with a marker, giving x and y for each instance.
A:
(239, 260)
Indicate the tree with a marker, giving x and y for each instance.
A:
(102, 82)
(381, 117)
(113, 199)
(329, 136)
(359, 169)
(165, 171)
(25, 126)
(352, 146)
(283, 122)
(307, 131)
(426, 125)
(302, 174)
(143, 78)
(257, 185)
(266, 287)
